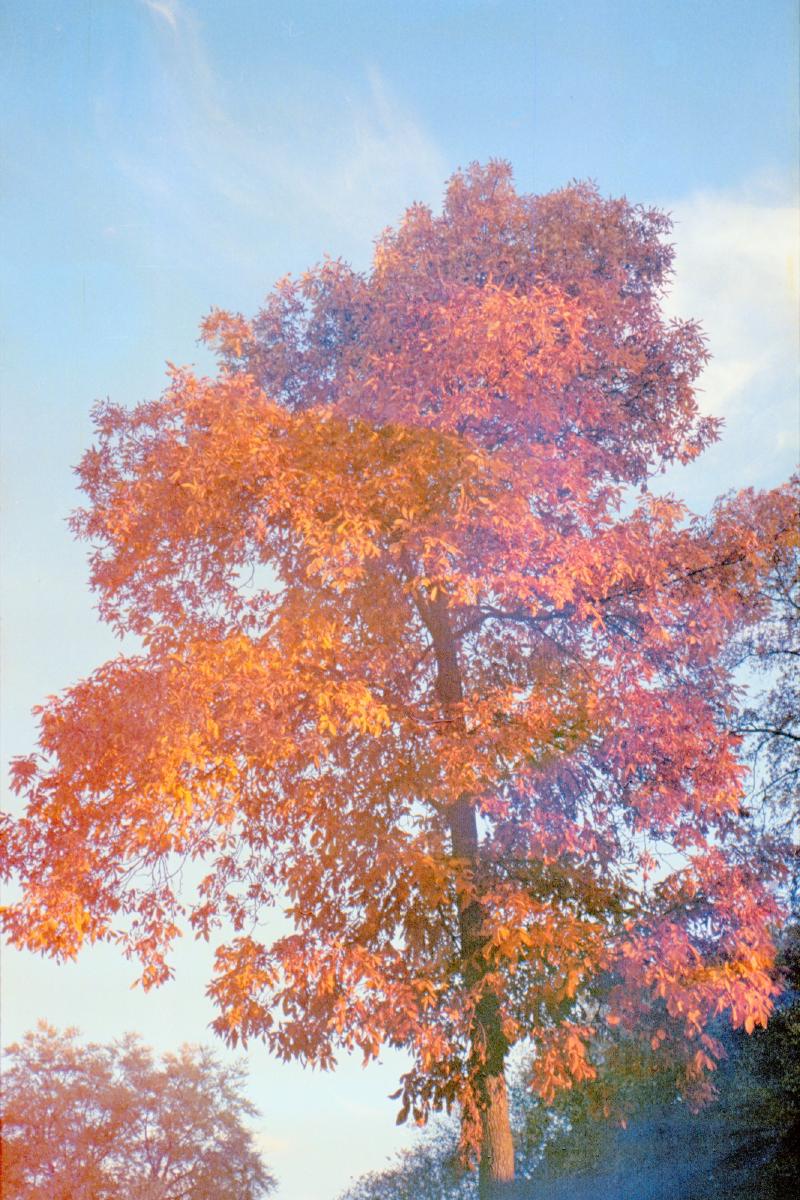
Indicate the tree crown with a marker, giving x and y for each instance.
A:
(391, 577)
(110, 1122)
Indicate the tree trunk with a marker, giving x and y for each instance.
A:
(496, 1178)
(489, 1045)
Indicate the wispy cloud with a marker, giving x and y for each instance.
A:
(166, 9)
(311, 154)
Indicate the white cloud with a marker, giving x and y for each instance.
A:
(737, 272)
(269, 1145)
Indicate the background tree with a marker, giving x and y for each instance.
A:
(428, 1170)
(744, 1144)
(423, 669)
(771, 722)
(110, 1122)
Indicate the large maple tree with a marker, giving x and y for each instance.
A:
(425, 668)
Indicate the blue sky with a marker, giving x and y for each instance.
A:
(164, 156)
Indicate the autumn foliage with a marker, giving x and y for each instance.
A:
(110, 1122)
(425, 667)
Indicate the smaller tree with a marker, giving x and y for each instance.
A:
(428, 1170)
(771, 724)
(111, 1122)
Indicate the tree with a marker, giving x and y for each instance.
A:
(771, 724)
(429, 1170)
(422, 668)
(94, 1122)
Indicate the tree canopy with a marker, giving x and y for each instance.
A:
(111, 1122)
(426, 667)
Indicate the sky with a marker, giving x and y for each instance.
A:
(166, 156)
